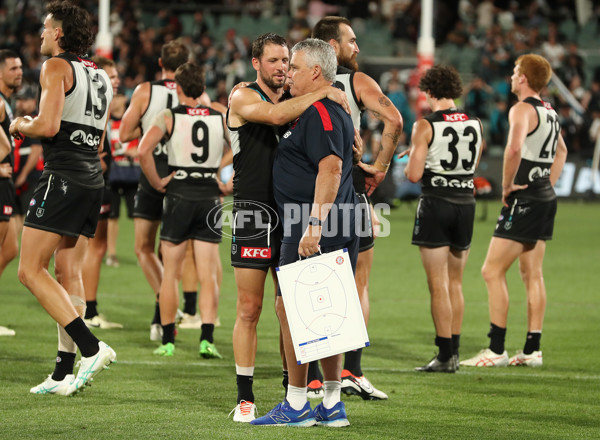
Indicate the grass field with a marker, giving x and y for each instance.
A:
(143, 396)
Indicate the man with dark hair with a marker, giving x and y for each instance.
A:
(254, 117)
(533, 161)
(195, 138)
(312, 173)
(445, 150)
(64, 210)
(363, 94)
(97, 246)
(148, 99)
(11, 75)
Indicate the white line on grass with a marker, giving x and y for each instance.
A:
(463, 371)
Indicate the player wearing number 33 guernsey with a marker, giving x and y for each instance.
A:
(446, 147)
(195, 137)
(533, 161)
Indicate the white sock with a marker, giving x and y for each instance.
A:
(297, 397)
(332, 390)
(244, 371)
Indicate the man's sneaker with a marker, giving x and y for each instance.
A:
(314, 389)
(284, 415)
(99, 321)
(436, 366)
(208, 350)
(91, 366)
(244, 412)
(487, 358)
(360, 386)
(51, 386)
(112, 261)
(529, 360)
(5, 331)
(334, 417)
(178, 316)
(191, 321)
(156, 332)
(167, 349)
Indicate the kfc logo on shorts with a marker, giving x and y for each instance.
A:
(7, 210)
(254, 252)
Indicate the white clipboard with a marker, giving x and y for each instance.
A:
(322, 306)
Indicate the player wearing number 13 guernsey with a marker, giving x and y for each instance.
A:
(445, 150)
(64, 210)
(533, 161)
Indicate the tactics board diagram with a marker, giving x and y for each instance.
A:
(322, 306)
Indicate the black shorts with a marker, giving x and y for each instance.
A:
(105, 207)
(147, 205)
(366, 239)
(255, 236)
(439, 222)
(7, 199)
(526, 221)
(289, 253)
(185, 219)
(61, 206)
(127, 190)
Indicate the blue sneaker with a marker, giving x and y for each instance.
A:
(284, 415)
(334, 417)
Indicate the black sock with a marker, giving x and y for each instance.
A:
(352, 362)
(156, 319)
(445, 346)
(90, 309)
(455, 344)
(64, 365)
(286, 380)
(497, 336)
(168, 333)
(189, 303)
(533, 342)
(207, 332)
(244, 386)
(83, 337)
(314, 373)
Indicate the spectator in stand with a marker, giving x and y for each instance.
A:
(552, 48)
(572, 66)
(477, 98)
(200, 27)
(499, 122)
(299, 28)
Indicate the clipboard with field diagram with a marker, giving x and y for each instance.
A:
(322, 306)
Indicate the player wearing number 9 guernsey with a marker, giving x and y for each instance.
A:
(446, 147)
(533, 161)
(194, 140)
(64, 210)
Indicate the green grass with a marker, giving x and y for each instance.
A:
(143, 396)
